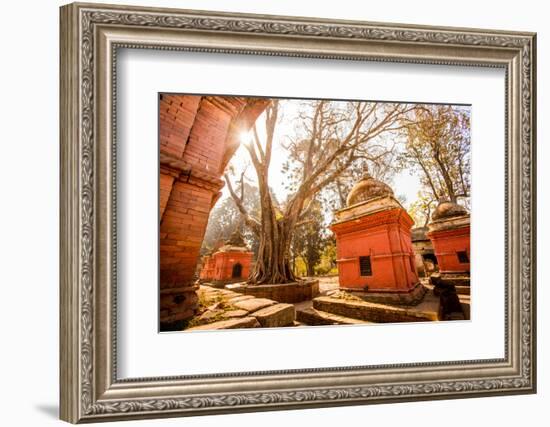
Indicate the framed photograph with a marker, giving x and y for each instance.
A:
(266, 213)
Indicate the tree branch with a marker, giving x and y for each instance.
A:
(252, 222)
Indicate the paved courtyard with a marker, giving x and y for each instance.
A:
(326, 284)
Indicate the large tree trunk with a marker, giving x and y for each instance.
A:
(445, 173)
(273, 262)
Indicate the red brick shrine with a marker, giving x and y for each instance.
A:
(373, 240)
(208, 267)
(230, 263)
(449, 231)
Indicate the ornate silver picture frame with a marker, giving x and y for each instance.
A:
(91, 35)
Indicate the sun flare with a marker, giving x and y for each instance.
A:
(245, 137)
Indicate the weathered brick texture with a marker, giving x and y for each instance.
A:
(198, 135)
(177, 114)
(182, 230)
(165, 187)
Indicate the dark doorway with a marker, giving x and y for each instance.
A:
(237, 271)
(430, 257)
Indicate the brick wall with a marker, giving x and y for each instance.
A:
(198, 135)
(176, 114)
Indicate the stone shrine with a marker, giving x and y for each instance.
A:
(449, 232)
(373, 240)
(230, 263)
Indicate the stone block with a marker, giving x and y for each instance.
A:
(462, 290)
(448, 279)
(275, 316)
(313, 317)
(253, 304)
(210, 314)
(302, 290)
(465, 304)
(243, 322)
(239, 298)
(411, 297)
(229, 294)
(235, 313)
(373, 312)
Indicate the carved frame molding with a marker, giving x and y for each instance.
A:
(90, 37)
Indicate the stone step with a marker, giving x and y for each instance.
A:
(375, 312)
(465, 304)
(275, 316)
(243, 322)
(462, 290)
(313, 317)
(296, 323)
(253, 304)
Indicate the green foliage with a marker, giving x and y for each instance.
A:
(300, 268)
(309, 238)
(327, 263)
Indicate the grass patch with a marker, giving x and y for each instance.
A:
(206, 301)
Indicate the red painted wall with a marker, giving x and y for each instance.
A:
(385, 237)
(208, 267)
(219, 266)
(446, 245)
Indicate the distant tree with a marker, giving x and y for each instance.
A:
(309, 239)
(225, 218)
(421, 209)
(401, 198)
(327, 263)
(438, 146)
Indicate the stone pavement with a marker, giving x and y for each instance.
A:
(225, 309)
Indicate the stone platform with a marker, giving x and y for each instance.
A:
(224, 309)
(312, 317)
(294, 292)
(465, 305)
(343, 308)
(463, 290)
(412, 297)
(218, 284)
(379, 313)
(461, 282)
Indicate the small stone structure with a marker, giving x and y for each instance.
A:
(293, 292)
(424, 256)
(373, 240)
(230, 263)
(449, 232)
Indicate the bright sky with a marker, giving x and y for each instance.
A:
(405, 183)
